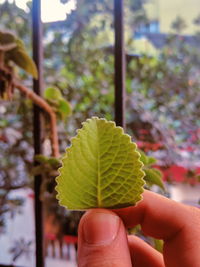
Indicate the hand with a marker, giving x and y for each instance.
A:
(103, 240)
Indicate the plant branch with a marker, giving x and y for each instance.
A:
(13, 187)
(39, 101)
(1, 58)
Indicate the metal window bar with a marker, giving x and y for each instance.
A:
(119, 63)
(37, 127)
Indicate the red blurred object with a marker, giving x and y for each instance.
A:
(3, 138)
(179, 174)
(147, 146)
(31, 195)
(175, 173)
(144, 131)
(50, 237)
(70, 239)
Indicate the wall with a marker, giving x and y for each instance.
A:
(166, 12)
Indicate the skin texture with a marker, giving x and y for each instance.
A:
(103, 241)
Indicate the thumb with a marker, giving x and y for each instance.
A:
(102, 240)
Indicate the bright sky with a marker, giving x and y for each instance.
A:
(52, 10)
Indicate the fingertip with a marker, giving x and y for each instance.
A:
(100, 227)
(102, 240)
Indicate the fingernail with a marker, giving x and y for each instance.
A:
(100, 228)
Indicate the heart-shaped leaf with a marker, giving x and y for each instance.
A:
(100, 169)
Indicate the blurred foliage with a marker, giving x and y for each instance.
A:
(48, 168)
(15, 144)
(14, 51)
(164, 93)
(156, 243)
(152, 175)
(61, 106)
(8, 206)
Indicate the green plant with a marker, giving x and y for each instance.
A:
(152, 175)
(12, 50)
(59, 103)
(13, 53)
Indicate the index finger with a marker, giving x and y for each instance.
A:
(159, 217)
(177, 224)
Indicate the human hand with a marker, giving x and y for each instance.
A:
(103, 239)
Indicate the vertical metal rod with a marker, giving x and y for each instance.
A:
(119, 63)
(37, 127)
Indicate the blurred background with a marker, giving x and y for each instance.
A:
(162, 108)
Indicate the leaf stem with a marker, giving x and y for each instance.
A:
(1, 58)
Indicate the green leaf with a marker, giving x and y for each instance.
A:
(143, 157)
(41, 158)
(64, 108)
(54, 162)
(7, 38)
(20, 44)
(100, 169)
(154, 177)
(7, 41)
(151, 161)
(146, 160)
(19, 56)
(158, 244)
(52, 93)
